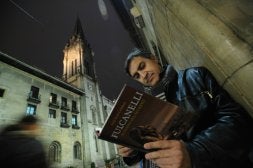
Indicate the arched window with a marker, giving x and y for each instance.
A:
(77, 151)
(54, 152)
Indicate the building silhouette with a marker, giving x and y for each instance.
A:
(70, 109)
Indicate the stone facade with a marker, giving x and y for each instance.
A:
(70, 110)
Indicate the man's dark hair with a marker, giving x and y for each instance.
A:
(25, 120)
(28, 120)
(135, 53)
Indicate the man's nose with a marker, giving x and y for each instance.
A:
(143, 74)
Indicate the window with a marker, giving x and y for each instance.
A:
(75, 66)
(54, 154)
(74, 106)
(31, 109)
(74, 120)
(34, 92)
(33, 95)
(72, 68)
(77, 150)
(2, 92)
(64, 102)
(52, 113)
(53, 101)
(64, 118)
(53, 98)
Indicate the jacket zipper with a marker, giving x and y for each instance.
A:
(208, 93)
(203, 92)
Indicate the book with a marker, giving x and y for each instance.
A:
(137, 118)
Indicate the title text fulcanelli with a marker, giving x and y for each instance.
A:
(127, 114)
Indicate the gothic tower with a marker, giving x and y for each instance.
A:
(79, 70)
(78, 58)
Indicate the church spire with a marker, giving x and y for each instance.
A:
(78, 56)
(78, 30)
(77, 35)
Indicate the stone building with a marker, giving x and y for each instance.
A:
(70, 109)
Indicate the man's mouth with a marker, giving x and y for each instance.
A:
(149, 77)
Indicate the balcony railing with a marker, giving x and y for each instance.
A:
(75, 110)
(54, 104)
(65, 125)
(75, 126)
(33, 98)
(65, 107)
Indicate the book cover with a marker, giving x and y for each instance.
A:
(138, 118)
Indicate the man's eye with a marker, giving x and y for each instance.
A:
(141, 66)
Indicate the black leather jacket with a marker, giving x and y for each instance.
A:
(221, 136)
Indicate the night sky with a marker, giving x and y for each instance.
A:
(36, 31)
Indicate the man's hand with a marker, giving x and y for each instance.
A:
(170, 154)
(125, 151)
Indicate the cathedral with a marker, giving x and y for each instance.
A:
(70, 109)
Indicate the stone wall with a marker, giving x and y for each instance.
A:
(217, 34)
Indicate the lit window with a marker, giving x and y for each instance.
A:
(31, 109)
(74, 120)
(53, 98)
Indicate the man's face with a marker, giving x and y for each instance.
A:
(145, 70)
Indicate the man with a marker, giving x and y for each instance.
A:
(220, 137)
(19, 148)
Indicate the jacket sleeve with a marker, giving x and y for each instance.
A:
(137, 157)
(226, 142)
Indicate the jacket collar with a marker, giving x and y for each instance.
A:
(168, 77)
